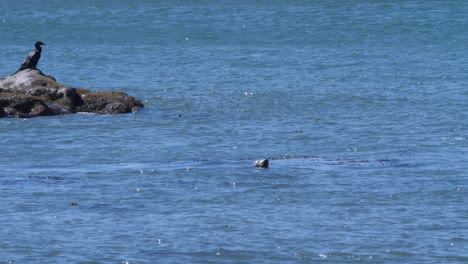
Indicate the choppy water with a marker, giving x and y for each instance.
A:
(361, 106)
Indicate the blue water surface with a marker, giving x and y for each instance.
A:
(359, 105)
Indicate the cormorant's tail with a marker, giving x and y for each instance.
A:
(20, 69)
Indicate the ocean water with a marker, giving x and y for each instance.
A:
(361, 107)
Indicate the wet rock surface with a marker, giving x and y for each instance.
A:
(31, 93)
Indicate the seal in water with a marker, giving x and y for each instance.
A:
(264, 163)
(31, 61)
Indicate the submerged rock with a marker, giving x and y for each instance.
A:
(30, 93)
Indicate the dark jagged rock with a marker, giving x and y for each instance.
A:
(2, 112)
(107, 102)
(30, 93)
(23, 106)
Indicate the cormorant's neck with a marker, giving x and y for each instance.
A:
(38, 47)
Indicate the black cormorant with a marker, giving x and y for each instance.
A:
(31, 61)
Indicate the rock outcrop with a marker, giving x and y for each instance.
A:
(30, 93)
